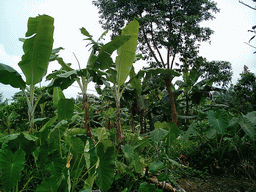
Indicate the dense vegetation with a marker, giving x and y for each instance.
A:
(143, 131)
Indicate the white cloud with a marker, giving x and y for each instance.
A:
(230, 32)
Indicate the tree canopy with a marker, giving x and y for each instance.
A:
(173, 26)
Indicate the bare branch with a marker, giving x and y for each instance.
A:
(149, 46)
(154, 43)
(250, 45)
(247, 5)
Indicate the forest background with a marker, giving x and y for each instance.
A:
(226, 44)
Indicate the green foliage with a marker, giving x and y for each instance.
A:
(65, 109)
(218, 120)
(106, 167)
(10, 76)
(11, 165)
(126, 52)
(37, 48)
(146, 187)
(154, 167)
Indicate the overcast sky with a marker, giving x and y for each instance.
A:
(227, 43)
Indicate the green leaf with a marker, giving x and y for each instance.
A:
(128, 152)
(48, 185)
(57, 95)
(135, 82)
(142, 144)
(10, 76)
(126, 53)
(55, 164)
(154, 167)
(106, 169)
(37, 48)
(85, 32)
(252, 117)
(11, 165)
(20, 140)
(163, 177)
(104, 60)
(190, 132)
(218, 120)
(158, 134)
(49, 123)
(173, 132)
(90, 156)
(136, 163)
(146, 187)
(102, 134)
(65, 109)
(156, 71)
(248, 127)
(56, 134)
(88, 184)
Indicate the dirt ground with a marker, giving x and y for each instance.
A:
(218, 183)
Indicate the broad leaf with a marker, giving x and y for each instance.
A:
(173, 132)
(135, 82)
(106, 169)
(56, 134)
(252, 117)
(88, 184)
(11, 165)
(126, 53)
(154, 167)
(48, 185)
(158, 134)
(10, 76)
(90, 156)
(49, 123)
(248, 127)
(65, 109)
(218, 120)
(104, 60)
(20, 140)
(37, 48)
(57, 95)
(128, 152)
(146, 187)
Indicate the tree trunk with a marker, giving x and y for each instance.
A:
(141, 120)
(87, 117)
(168, 83)
(187, 111)
(151, 125)
(132, 123)
(119, 132)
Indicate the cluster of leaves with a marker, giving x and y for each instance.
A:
(68, 154)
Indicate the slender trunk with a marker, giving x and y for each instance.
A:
(168, 83)
(145, 123)
(87, 117)
(107, 123)
(151, 125)
(119, 132)
(132, 123)
(141, 120)
(187, 111)
(31, 120)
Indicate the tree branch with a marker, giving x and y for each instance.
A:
(247, 5)
(250, 45)
(146, 39)
(154, 43)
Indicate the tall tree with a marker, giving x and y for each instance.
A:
(170, 28)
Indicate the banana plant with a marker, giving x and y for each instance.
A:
(118, 72)
(83, 76)
(34, 63)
